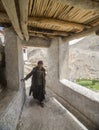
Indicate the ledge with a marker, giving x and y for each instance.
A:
(11, 103)
(6, 97)
(94, 96)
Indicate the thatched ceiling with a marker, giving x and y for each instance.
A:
(49, 18)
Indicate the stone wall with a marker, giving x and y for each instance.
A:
(12, 99)
(10, 115)
(37, 42)
(82, 106)
(14, 59)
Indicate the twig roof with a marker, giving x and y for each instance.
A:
(49, 18)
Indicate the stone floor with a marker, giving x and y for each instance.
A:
(6, 97)
(52, 117)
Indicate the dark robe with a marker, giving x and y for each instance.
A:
(38, 83)
(3, 81)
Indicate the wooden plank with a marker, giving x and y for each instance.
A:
(4, 18)
(10, 8)
(54, 23)
(23, 4)
(95, 22)
(33, 9)
(38, 35)
(30, 6)
(82, 34)
(83, 4)
(45, 36)
(53, 33)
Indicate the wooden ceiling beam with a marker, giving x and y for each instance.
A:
(46, 36)
(10, 8)
(59, 24)
(38, 35)
(6, 25)
(4, 18)
(82, 4)
(82, 34)
(95, 22)
(23, 4)
(53, 33)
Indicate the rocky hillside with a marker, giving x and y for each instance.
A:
(34, 55)
(84, 58)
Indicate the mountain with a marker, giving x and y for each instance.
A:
(84, 58)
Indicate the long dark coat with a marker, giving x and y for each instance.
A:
(37, 91)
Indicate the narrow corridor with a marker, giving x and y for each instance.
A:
(52, 117)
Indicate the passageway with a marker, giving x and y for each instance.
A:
(50, 24)
(52, 117)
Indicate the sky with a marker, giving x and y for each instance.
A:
(1, 35)
(1, 28)
(75, 41)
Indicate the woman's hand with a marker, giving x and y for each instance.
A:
(22, 80)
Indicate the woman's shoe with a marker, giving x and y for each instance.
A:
(41, 104)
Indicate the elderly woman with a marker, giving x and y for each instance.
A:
(38, 82)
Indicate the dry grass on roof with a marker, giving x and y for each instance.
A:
(58, 10)
(1, 7)
(63, 17)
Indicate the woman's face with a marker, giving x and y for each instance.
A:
(40, 65)
(0, 57)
